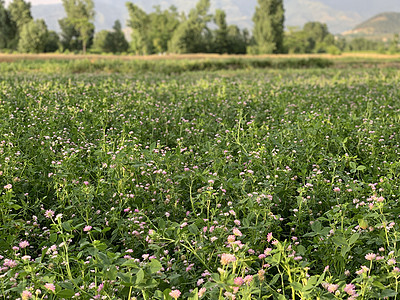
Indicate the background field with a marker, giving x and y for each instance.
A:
(254, 183)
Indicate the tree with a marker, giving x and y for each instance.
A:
(100, 41)
(318, 34)
(237, 40)
(7, 28)
(139, 21)
(52, 42)
(119, 42)
(297, 41)
(79, 22)
(33, 37)
(268, 27)
(193, 35)
(20, 12)
(221, 33)
(162, 26)
(70, 37)
(152, 32)
(111, 41)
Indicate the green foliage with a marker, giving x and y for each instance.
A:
(78, 25)
(101, 41)
(160, 66)
(394, 44)
(69, 36)
(262, 184)
(268, 27)
(313, 38)
(139, 23)
(20, 12)
(163, 26)
(7, 28)
(33, 37)
(221, 42)
(52, 42)
(111, 41)
(192, 35)
(363, 44)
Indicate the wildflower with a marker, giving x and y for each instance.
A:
(350, 289)
(260, 274)
(202, 291)
(8, 186)
(269, 237)
(26, 257)
(227, 258)
(248, 279)
(87, 228)
(9, 263)
(326, 268)
(175, 294)
(238, 281)
(58, 217)
(86, 182)
(267, 251)
(396, 270)
(363, 269)
(26, 295)
(391, 261)
(50, 287)
(230, 295)
(231, 238)
(332, 288)
(336, 190)
(237, 232)
(49, 214)
(370, 256)
(23, 244)
(101, 286)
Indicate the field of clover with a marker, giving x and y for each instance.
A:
(221, 185)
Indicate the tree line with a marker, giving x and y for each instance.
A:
(168, 31)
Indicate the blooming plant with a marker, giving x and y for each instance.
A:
(279, 184)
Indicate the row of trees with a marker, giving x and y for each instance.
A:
(170, 31)
(18, 30)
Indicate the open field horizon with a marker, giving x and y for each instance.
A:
(45, 56)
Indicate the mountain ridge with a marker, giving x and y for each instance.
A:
(383, 24)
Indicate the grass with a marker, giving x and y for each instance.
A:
(254, 184)
(173, 64)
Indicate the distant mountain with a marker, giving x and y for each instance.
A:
(339, 15)
(381, 25)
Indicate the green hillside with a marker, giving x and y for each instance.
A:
(381, 25)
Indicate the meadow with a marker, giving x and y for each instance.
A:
(236, 184)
